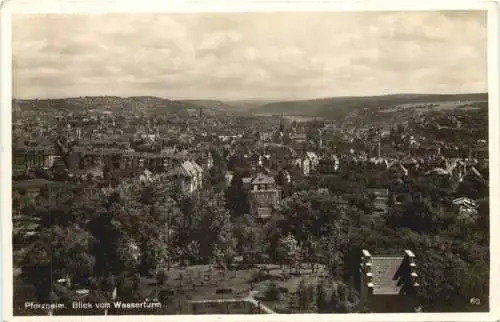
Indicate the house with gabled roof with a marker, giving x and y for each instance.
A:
(473, 172)
(313, 159)
(328, 165)
(437, 172)
(397, 168)
(34, 186)
(388, 284)
(259, 181)
(412, 164)
(188, 177)
(472, 183)
(466, 207)
(40, 154)
(204, 158)
(264, 195)
(380, 200)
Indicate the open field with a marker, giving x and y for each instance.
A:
(439, 106)
(201, 283)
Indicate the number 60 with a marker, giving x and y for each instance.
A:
(475, 301)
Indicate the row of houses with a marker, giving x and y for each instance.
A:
(77, 158)
(451, 170)
(187, 177)
(78, 163)
(265, 195)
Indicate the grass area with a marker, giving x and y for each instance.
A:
(201, 282)
(225, 308)
(197, 283)
(204, 283)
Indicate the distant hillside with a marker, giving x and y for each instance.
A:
(111, 103)
(210, 104)
(331, 108)
(238, 106)
(249, 105)
(339, 107)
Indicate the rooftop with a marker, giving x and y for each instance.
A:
(382, 192)
(385, 270)
(263, 179)
(31, 183)
(38, 183)
(187, 169)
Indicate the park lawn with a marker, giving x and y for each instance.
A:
(289, 286)
(201, 283)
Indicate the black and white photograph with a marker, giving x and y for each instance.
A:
(267, 162)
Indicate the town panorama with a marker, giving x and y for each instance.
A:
(151, 204)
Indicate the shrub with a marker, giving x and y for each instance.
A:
(165, 295)
(272, 292)
(224, 291)
(258, 276)
(283, 289)
(161, 277)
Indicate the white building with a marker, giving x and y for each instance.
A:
(188, 176)
(466, 206)
(313, 159)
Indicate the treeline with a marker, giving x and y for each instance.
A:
(338, 108)
(98, 239)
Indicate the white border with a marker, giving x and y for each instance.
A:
(9, 7)
(6, 164)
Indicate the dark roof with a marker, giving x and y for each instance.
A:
(378, 191)
(99, 151)
(327, 160)
(37, 183)
(45, 141)
(95, 171)
(111, 151)
(263, 179)
(31, 183)
(384, 270)
(20, 145)
(177, 172)
(40, 148)
(154, 155)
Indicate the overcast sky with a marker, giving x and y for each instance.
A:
(249, 55)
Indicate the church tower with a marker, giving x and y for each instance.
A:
(282, 124)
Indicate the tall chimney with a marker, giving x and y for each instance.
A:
(378, 147)
(366, 260)
(413, 268)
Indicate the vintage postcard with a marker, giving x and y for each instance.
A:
(258, 162)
